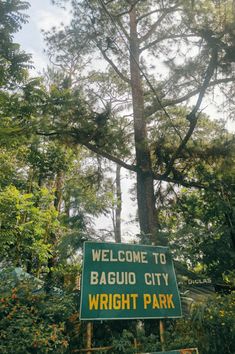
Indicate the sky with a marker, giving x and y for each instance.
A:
(42, 15)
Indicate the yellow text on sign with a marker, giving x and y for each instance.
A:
(158, 301)
(112, 301)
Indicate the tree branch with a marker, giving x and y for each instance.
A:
(166, 103)
(127, 11)
(117, 160)
(180, 182)
(118, 72)
(191, 117)
(155, 25)
(135, 168)
(172, 36)
(123, 29)
(110, 157)
(169, 9)
(90, 147)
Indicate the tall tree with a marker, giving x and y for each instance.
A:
(191, 46)
(118, 207)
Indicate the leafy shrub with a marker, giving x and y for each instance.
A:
(211, 327)
(34, 322)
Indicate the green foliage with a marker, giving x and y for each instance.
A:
(205, 154)
(128, 336)
(36, 179)
(150, 343)
(211, 327)
(26, 223)
(124, 343)
(198, 223)
(11, 163)
(67, 275)
(203, 226)
(13, 61)
(66, 114)
(31, 322)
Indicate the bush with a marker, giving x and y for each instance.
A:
(211, 327)
(34, 323)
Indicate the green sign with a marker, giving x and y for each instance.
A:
(123, 281)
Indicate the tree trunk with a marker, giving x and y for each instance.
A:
(118, 208)
(59, 183)
(145, 188)
(52, 261)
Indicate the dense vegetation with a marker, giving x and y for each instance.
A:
(61, 136)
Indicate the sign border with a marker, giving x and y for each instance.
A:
(124, 318)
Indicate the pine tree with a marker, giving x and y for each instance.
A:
(190, 42)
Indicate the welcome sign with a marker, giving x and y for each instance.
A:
(125, 281)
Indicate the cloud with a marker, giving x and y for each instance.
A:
(42, 15)
(46, 18)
